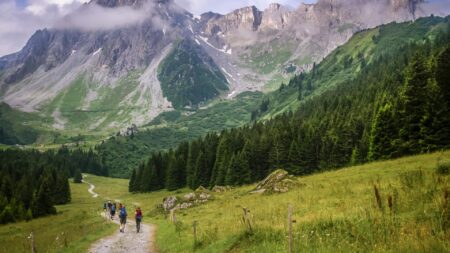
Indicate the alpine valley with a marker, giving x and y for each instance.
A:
(323, 127)
(78, 80)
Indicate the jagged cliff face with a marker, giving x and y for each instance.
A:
(111, 71)
(278, 41)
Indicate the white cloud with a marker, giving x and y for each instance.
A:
(17, 24)
(87, 18)
(201, 6)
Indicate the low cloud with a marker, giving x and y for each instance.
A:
(18, 23)
(94, 17)
(201, 6)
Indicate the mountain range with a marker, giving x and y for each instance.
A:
(145, 57)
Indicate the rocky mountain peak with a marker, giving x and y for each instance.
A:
(275, 16)
(274, 6)
(247, 18)
(132, 3)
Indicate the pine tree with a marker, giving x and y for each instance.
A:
(132, 182)
(414, 101)
(42, 203)
(221, 164)
(172, 173)
(200, 176)
(77, 178)
(382, 135)
(295, 158)
(62, 189)
(238, 170)
(191, 163)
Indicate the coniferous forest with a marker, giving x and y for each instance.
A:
(398, 105)
(31, 182)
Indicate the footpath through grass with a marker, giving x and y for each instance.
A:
(74, 229)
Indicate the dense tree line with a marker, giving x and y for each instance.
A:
(419, 121)
(397, 105)
(31, 182)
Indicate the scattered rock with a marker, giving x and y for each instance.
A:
(201, 195)
(278, 181)
(219, 188)
(185, 205)
(189, 196)
(204, 196)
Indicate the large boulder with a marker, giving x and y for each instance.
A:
(278, 181)
(170, 202)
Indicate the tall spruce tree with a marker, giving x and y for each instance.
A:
(42, 203)
(414, 102)
(383, 133)
(77, 177)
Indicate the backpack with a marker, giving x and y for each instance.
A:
(113, 208)
(139, 215)
(123, 212)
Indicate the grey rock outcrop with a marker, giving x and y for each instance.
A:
(278, 181)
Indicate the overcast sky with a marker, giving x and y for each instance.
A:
(19, 19)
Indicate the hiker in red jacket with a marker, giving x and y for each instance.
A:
(138, 216)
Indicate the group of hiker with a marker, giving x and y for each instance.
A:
(111, 208)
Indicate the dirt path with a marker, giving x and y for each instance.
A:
(91, 188)
(129, 241)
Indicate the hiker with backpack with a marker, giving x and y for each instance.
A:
(123, 217)
(138, 217)
(113, 211)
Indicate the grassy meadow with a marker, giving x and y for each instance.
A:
(79, 221)
(337, 211)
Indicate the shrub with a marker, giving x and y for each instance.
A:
(443, 168)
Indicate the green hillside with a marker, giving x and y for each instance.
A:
(189, 76)
(357, 57)
(15, 126)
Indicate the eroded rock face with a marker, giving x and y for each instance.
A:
(278, 181)
(244, 19)
(275, 17)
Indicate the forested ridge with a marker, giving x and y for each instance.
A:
(31, 182)
(397, 104)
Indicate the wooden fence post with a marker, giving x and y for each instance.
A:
(65, 239)
(247, 220)
(33, 246)
(172, 217)
(194, 225)
(291, 240)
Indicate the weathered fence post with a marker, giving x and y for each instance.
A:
(290, 221)
(65, 239)
(194, 225)
(247, 220)
(173, 218)
(33, 246)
